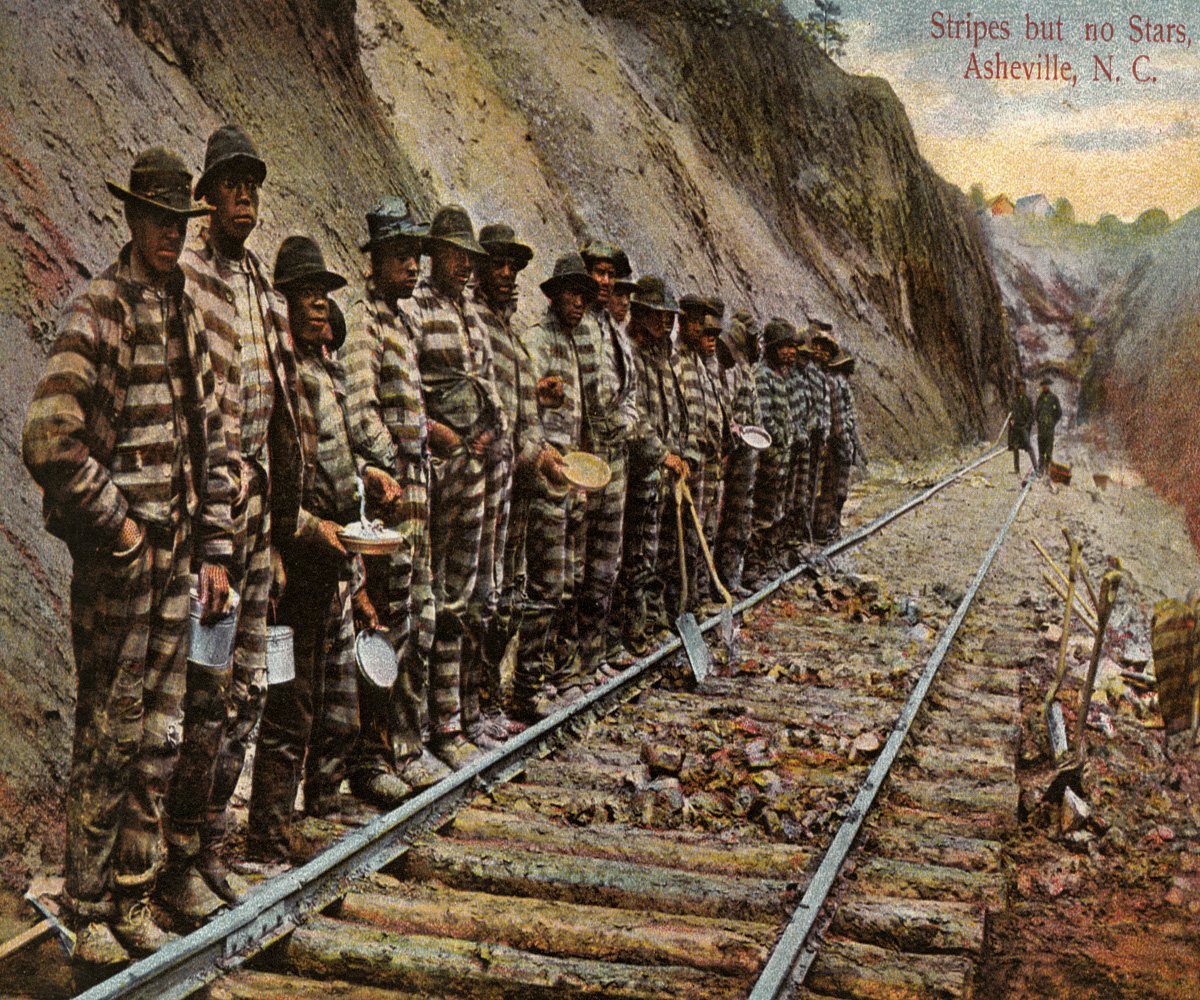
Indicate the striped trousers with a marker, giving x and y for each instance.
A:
(737, 507)
(314, 715)
(129, 622)
(222, 710)
(457, 500)
(599, 560)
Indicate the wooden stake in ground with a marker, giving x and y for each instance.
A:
(1108, 597)
(1066, 630)
(1080, 610)
(1059, 573)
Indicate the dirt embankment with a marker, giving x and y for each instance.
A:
(720, 149)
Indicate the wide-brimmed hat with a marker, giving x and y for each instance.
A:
(299, 259)
(391, 219)
(499, 240)
(844, 363)
(570, 272)
(594, 252)
(715, 306)
(822, 339)
(711, 324)
(778, 333)
(822, 325)
(693, 303)
(226, 146)
(159, 179)
(451, 224)
(625, 285)
(651, 292)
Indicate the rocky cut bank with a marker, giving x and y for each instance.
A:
(708, 138)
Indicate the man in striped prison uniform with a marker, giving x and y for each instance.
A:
(655, 459)
(124, 437)
(770, 484)
(820, 414)
(737, 351)
(698, 329)
(606, 371)
(253, 360)
(464, 417)
(845, 451)
(548, 667)
(523, 453)
(388, 433)
(320, 577)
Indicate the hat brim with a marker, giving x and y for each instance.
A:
(129, 197)
(621, 285)
(557, 283)
(517, 251)
(417, 234)
(664, 308)
(260, 168)
(331, 280)
(458, 242)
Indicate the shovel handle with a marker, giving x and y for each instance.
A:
(712, 569)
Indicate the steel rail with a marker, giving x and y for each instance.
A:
(792, 957)
(275, 908)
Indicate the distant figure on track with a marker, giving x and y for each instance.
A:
(1018, 430)
(1047, 412)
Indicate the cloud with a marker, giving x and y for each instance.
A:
(1122, 139)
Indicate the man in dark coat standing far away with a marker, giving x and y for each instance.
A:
(1048, 412)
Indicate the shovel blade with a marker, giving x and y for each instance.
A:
(694, 646)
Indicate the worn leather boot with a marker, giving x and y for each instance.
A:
(136, 930)
(183, 891)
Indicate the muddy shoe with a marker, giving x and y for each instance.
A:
(136, 930)
(383, 790)
(216, 874)
(424, 771)
(95, 944)
(184, 893)
(480, 734)
(455, 751)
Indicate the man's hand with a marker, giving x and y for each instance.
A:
(443, 441)
(550, 392)
(550, 466)
(677, 465)
(327, 538)
(382, 489)
(214, 592)
(481, 443)
(365, 615)
(246, 477)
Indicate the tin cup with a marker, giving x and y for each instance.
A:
(281, 662)
(212, 645)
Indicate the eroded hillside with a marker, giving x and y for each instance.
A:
(717, 147)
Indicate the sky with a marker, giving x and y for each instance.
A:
(1118, 145)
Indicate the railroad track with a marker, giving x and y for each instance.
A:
(653, 841)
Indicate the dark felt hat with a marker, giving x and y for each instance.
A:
(712, 323)
(499, 240)
(594, 252)
(299, 260)
(570, 272)
(843, 364)
(821, 325)
(715, 306)
(391, 219)
(822, 340)
(692, 303)
(159, 179)
(778, 333)
(451, 224)
(226, 146)
(625, 285)
(651, 292)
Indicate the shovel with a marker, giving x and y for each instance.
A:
(694, 645)
(727, 606)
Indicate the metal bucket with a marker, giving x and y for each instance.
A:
(212, 645)
(281, 663)
(376, 658)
